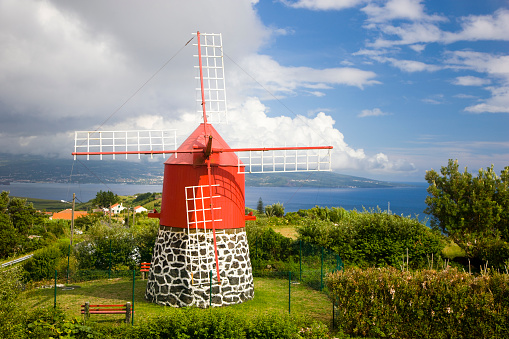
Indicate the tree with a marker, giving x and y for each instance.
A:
(472, 211)
(105, 199)
(22, 215)
(16, 221)
(259, 207)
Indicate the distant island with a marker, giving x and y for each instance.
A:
(39, 169)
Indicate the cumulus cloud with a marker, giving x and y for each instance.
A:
(282, 130)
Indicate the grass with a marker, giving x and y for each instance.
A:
(289, 232)
(271, 295)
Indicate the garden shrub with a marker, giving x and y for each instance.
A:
(128, 247)
(437, 304)
(43, 263)
(217, 323)
(10, 311)
(375, 239)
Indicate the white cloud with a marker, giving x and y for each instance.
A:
(482, 27)
(282, 130)
(496, 67)
(408, 34)
(423, 28)
(418, 47)
(282, 80)
(375, 112)
(493, 65)
(412, 10)
(471, 81)
(322, 5)
(410, 66)
(498, 103)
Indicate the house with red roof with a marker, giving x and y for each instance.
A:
(67, 214)
(140, 209)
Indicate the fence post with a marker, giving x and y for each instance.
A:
(68, 255)
(109, 269)
(87, 309)
(321, 270)
(289, 291)
(134, 279)
(256, 246)
(300, 260)
(333, 301)
(128, 316)
(210, 289)
(55, 300)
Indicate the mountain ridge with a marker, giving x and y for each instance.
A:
(35, 168)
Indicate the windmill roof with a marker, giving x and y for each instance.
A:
(198, 140)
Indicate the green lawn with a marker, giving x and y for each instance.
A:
(271, 295)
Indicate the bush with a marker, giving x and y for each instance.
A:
(445, 304)
(375, 239)
(128, 247)
(275, 210)
(43, 263)
(10, 311)
(217, 323)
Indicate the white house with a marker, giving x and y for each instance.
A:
(117, 208)
(139, 209)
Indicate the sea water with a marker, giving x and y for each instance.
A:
(408, 200)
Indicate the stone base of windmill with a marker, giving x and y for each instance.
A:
(175, 280)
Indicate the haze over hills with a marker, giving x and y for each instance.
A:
(33, 168)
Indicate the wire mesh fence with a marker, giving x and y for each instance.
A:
(307, 263)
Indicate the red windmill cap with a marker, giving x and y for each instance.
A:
(198, 140)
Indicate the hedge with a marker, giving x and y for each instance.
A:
(385, 302)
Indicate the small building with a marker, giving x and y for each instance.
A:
(117, 208)
(67, 214)
(140, 209)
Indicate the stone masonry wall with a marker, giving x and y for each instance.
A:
(175, 279)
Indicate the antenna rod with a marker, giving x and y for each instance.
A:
(201, 84)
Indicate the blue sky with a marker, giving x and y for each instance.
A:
(396, 86)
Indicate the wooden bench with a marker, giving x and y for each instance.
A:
(126, 309)
(145, 267)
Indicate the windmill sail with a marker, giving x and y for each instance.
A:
(297, 159)
(212, 93)
(126, 143)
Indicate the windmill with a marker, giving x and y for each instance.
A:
(201, 255)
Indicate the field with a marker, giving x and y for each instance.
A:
(271, 295)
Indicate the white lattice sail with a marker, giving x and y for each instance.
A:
(214, 93)
(200, 238)
(101, 143)
(285, 160)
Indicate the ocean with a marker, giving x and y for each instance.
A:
(408, 200)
